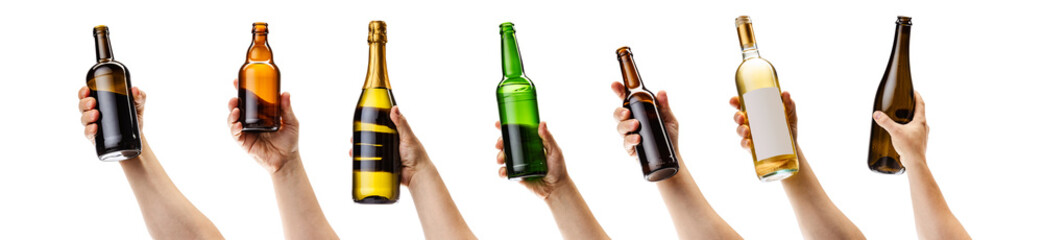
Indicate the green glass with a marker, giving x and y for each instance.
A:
(519, 116)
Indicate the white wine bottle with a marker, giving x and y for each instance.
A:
(774, 153)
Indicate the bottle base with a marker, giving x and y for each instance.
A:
(778, 175)
(887, 165)
(260, 129)
(521, 177)
(375, 200)
(119, 155)
(661, 174)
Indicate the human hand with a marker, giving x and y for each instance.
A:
(271, 149)
(556, 175)
(89, 114)
(910, 139)
(628, 126)
(412, 154)
(744, 125)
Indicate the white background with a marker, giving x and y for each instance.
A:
(975, 64)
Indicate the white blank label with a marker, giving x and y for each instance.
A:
(767, 117)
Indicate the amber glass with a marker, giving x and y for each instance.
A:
(376, 162)
(259, 85)
(895, 98)
(772, 147)
(118, 138)
(655, 152)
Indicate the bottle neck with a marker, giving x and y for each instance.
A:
(259, 49)
(102, 46)
(631, 78)
(900, 50)
(747, 40)
(376, 75)
(512, 63)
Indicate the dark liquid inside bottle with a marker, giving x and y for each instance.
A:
(523, 151)
(117, 138)
(655, 151)
(376, 157)
(257, 114)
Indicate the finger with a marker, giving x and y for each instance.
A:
(499, 143)
(920, 111)
(233, 117)
(631, 141)
(88, 103)
(549, 144)
(90, 130)
(286, 110)
(743, 131)
(89, 117)
(884, 121)
(503, 172)
(620, 90)
(501, 158)
(497, 125)
(351, 142)
(664, 107)
(237, 130)
(139, 99)
(84, 92)
(233, 103)
(746, 143)
(405, 133)
(739, 117)
(235, 83)
(734, 101)
(787, 101)
(621, 114)
(627, 126)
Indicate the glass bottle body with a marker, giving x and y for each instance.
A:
(118, 137)
(894, 97)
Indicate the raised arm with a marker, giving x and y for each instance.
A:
(302, 218)
(571, 213)
(438, 213)
(693, 216)
(168, 214)
(816, 214)
(934, 220)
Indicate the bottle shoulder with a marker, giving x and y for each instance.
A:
(112, 65)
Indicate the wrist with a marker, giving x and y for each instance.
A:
(564, 190)
(422, 171)
(291, 164)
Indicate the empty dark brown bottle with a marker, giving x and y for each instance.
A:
(895, 98)
(109, 83)
(655, 151)
(259, 85)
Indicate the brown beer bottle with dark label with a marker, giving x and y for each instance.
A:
(655, 152)
(895, 98)
(259, 85)
(117, 138)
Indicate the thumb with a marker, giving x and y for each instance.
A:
(286, 110)
(405, 133)
(884, 121)
(549, 145)
(139, 99)
(664, 107)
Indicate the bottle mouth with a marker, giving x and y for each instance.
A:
(100, 29)
(506, 27)
(377, 31)
(904, 20)
(624, 50)
(741, 20)
(260, 27)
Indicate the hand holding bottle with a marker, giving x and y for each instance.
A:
(556, 174)
(910, 139)
(411, 152)
(744, 125)
(628, 125)
(89, 113)
(271, 149)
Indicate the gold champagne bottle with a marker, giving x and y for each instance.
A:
(774, 153)
(376, 158)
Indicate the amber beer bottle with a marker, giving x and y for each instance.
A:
(655, 152)
(109, 83)
(376, 160)
(895, 98)
(259, 85)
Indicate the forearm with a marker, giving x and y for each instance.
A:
(934, 220)
(574, 219)
(816, 214)
(302, 218)
(168, 214)
(438, 213)
(692, 215)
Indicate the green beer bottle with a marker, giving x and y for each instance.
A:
(519, 118)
